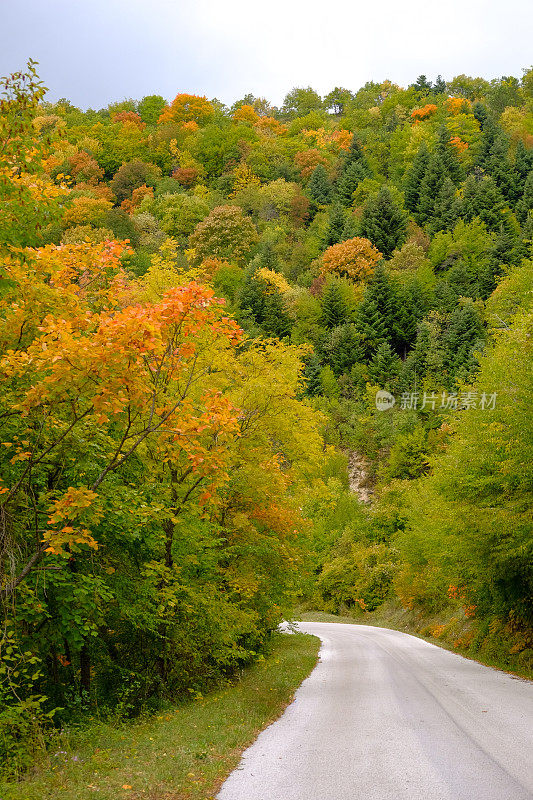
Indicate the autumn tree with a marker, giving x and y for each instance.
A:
(225, 233)
(188, 108)
(354, 259)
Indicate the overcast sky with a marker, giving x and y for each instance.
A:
(97, 51)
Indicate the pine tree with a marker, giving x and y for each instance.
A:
(384, 366)
(463, 334)
(523, 164)
(430, 188)
(384, 222)
(499, 166)
(525, 204)
(319, 188)
(312, 370)
(334, 231)
(342, 348)
(275, 321)
(355, 155)
(439, 87)
(414, 178)
(448, 156)
(350, 179)
(371, 326)
(422, 85)
(334, 309)
(351, 228)
(480, 113)
(447, 208)
(483, 199)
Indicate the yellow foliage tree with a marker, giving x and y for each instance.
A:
(354, 259)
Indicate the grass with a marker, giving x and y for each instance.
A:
(184, 753)
(488, 643)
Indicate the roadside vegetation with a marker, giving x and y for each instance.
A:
(252, 357)
(184, 751)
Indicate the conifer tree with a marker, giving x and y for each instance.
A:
(499, 166)
(334, 309)
(414, 178)
(319, 188)
(483, 199)
(448, 156)
(312, 370)
(348, 182)
(439, 87)
(384, 366)
(447, 208)
(523, 165)
(430, 188)
(384, 222)
(371, 326)
(275, 321)
(342, 348)
(334, 231)
(351, 228)
(525, 204)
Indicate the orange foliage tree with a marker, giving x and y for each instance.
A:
(425, 112)
(188, 108)
(354, 259)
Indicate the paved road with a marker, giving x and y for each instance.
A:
(387, 716)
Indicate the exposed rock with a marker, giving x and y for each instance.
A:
(358, 477)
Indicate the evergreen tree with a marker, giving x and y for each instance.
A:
(480, 113)
(439, 87)
(384, 366)
(355, 155)
(275, 321)
(448, 156)
(252, 296)
(422, 85)
(509, 247)
(348, 182)
(319, 188)
(414, 178)
(334, 309)
(312, 370)
(334, 231)
(384, 222)
(342, 348)
(430, 188)
(447, 208)
(463, 334)
(351, 228)
(483, 199)
(525, 204)
(498, 164)
(371, 326)
(523, 164)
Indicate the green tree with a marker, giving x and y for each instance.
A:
(301, 101)
(319, 187)
(132, 175)
(414, 178)
(225, 233)
(384, 222)
(150, 108)
(334, 308)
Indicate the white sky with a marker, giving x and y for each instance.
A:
(96, 51)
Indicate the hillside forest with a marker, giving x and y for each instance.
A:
(199, 305)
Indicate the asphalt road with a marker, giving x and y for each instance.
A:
(387, 716)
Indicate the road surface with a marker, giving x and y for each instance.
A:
(387, 716)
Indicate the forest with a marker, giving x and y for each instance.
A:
(254, 359)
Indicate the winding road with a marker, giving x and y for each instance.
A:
(388, 716)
